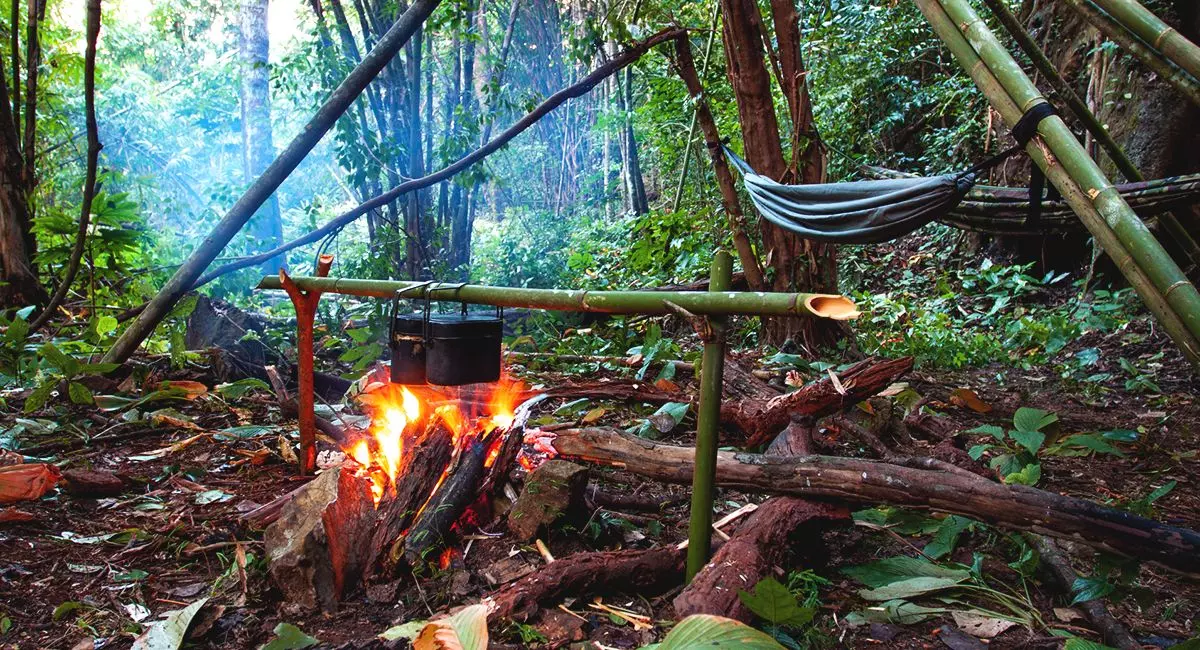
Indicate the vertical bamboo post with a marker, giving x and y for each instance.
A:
(1180, 294)
(1072, 193)
(708, 421)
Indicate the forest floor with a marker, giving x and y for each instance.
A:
(78, 571)
(85, 572)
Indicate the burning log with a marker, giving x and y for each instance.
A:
(1015, 507)
(449, 501)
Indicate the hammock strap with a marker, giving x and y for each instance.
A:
(1023, 131)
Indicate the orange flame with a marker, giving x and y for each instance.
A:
(400, 415)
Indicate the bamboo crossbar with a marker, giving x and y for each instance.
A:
(721, 303)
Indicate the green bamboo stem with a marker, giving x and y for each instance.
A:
(691, 136)
(1113, 30)
(1093, 125)
(987, 82)
(1064, 90)
(1147, 252)
(1159, 35)
(708, 423)
(724, 303)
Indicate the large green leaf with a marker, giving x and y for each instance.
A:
(707, 632)
(772, 602)
(901, 567)
(1030, 440)
(946, 537)
(1031, 419)
(909, 588)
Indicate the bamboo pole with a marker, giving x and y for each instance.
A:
(724, 303)
(691, 136)
(1063, 89)
(708, 424)
(1159, 35)
(1071, 191)
(1066, 151)
(1151, 58)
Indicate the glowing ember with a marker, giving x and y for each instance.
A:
(400, 416)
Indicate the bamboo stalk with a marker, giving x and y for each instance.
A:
(691, 136)
(1159, 35)
(1113, 30)
(987, 82)
(708, 424)
(1179, 293)
(724, 303)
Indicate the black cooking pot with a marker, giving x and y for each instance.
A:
(463, 348)
(408, 348)
(406, 339)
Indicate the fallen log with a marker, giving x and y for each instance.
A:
(1016, 507)
(759, 545)
(584, 574)
(1059, 568)
(763, 419)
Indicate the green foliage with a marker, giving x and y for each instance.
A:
(714, 632)
(775, 604)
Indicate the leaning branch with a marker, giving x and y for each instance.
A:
(93, 156)
(270, 180)
(1016, 507)
(633, 53)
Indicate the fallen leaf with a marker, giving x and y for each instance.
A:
(593, 415)
(837, 383)
(286, 452)
(168, 634)
(967, 397)
(137, 612)
(465, 630)
(666, 385)
(288, 637)
(27, 481)
(978, 625)
(191, 389)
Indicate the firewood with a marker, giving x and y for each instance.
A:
(763, 419)
(759, 545)
(461, 487)
(1016, 507)
(584, 574)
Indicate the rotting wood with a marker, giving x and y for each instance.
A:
(1016, 507)
(584, 574)
(762, 420)
(759, 545)
(1059, 568)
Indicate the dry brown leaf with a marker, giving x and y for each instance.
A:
(191, 389)
(593, 415)
(837, 383)
(667, 385)
(967, 397)
(286, 452)
(13, 514)
(27, 481)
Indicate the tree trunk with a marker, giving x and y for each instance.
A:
(796, 264)
(18, 281)
(258, 147)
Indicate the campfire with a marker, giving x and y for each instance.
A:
(429, 458)
(405, 417)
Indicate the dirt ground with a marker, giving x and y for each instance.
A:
(88, 573)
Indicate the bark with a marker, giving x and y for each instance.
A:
(19, 283)
(686, 67)
(798, 265)
(1015, 507)
(763, 419)
(760, 545)
(93, 157)
(583, 574)
(258, 147)
(266, 184)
